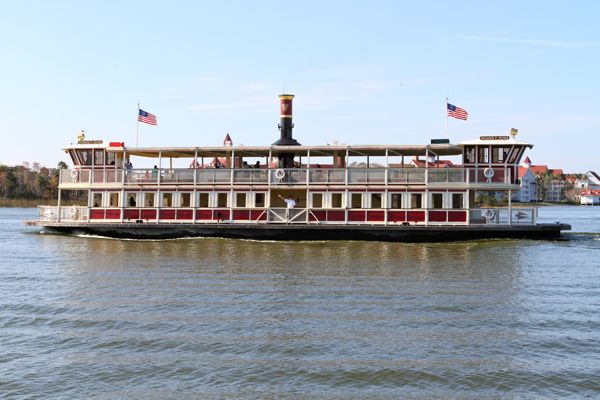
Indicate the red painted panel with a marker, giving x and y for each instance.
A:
(396, 216)
(132, 214)
(335, 215)
(203, 214)
(375, 216)
(437, 216)
(258, 215)
(358, 215)
(185, 214)
(415, 216)
(317, 215)
(97, 214)
(167, 214)
(113, 214)
(221, 214)
(241, 214)
(148, 214)
(457, 216)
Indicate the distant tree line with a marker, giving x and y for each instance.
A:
(29, 181)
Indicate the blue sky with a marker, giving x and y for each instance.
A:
(363, 72)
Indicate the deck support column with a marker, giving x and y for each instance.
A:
(58, 204)
(509, 207)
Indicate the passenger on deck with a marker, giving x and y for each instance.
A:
(257, 165)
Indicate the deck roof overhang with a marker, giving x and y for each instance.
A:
(302, 151)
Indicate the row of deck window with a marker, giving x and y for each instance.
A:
(259, 200)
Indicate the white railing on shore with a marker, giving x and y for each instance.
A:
(282, 176)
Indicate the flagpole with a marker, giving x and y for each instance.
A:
(446, 112)
(137, 128)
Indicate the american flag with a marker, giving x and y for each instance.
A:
(456, 112)
(146, 117)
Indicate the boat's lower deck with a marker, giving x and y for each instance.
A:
(397, 233)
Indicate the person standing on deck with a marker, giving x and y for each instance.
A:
(290, 204)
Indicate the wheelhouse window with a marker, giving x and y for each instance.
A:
(416, 200)
(167, 199)
(396, 200)
(203, 200)
(85, 157)
(97, 199)
(469, 155)
(437, 200)
(515, 155)
(74, 157)
(110, 158)
(484, 154)
(185, 199)
(457, 200)
(500, 154)
(149, 199)
(98, 157)
(356, 200)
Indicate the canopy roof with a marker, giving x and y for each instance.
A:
(315, 151)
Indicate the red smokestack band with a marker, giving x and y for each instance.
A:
(285, 105)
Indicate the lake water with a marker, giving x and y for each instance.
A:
(84, 317)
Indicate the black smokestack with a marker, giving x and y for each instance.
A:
(286, 160)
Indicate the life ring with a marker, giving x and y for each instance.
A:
(74, 173)
(488, 214)
(280, 174)
(72, 211)
(488, 173)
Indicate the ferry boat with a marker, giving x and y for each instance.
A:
(287, 191)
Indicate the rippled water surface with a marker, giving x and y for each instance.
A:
(85, 317)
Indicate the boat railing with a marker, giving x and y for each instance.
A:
(285, 176)
(503, 216)
(63, 213)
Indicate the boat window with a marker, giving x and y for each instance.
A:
(149, 200)
(514, 156)
(131, 199)
(500, 154)
(74, 157)
(259, 199)
(185, 199)
(356, 200)
(85, 156)
(469, 155)
(167, 200)
(240, 200)
(110, 158)
(457, 200)
(416, 200)
(113, 199)
(484, 154)
(203, 200)
(317, 200)
(222, 199)
(97, 200)
(375, 200)
(396, 200)
(437, 200)
(336, 200)
(98, 157)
